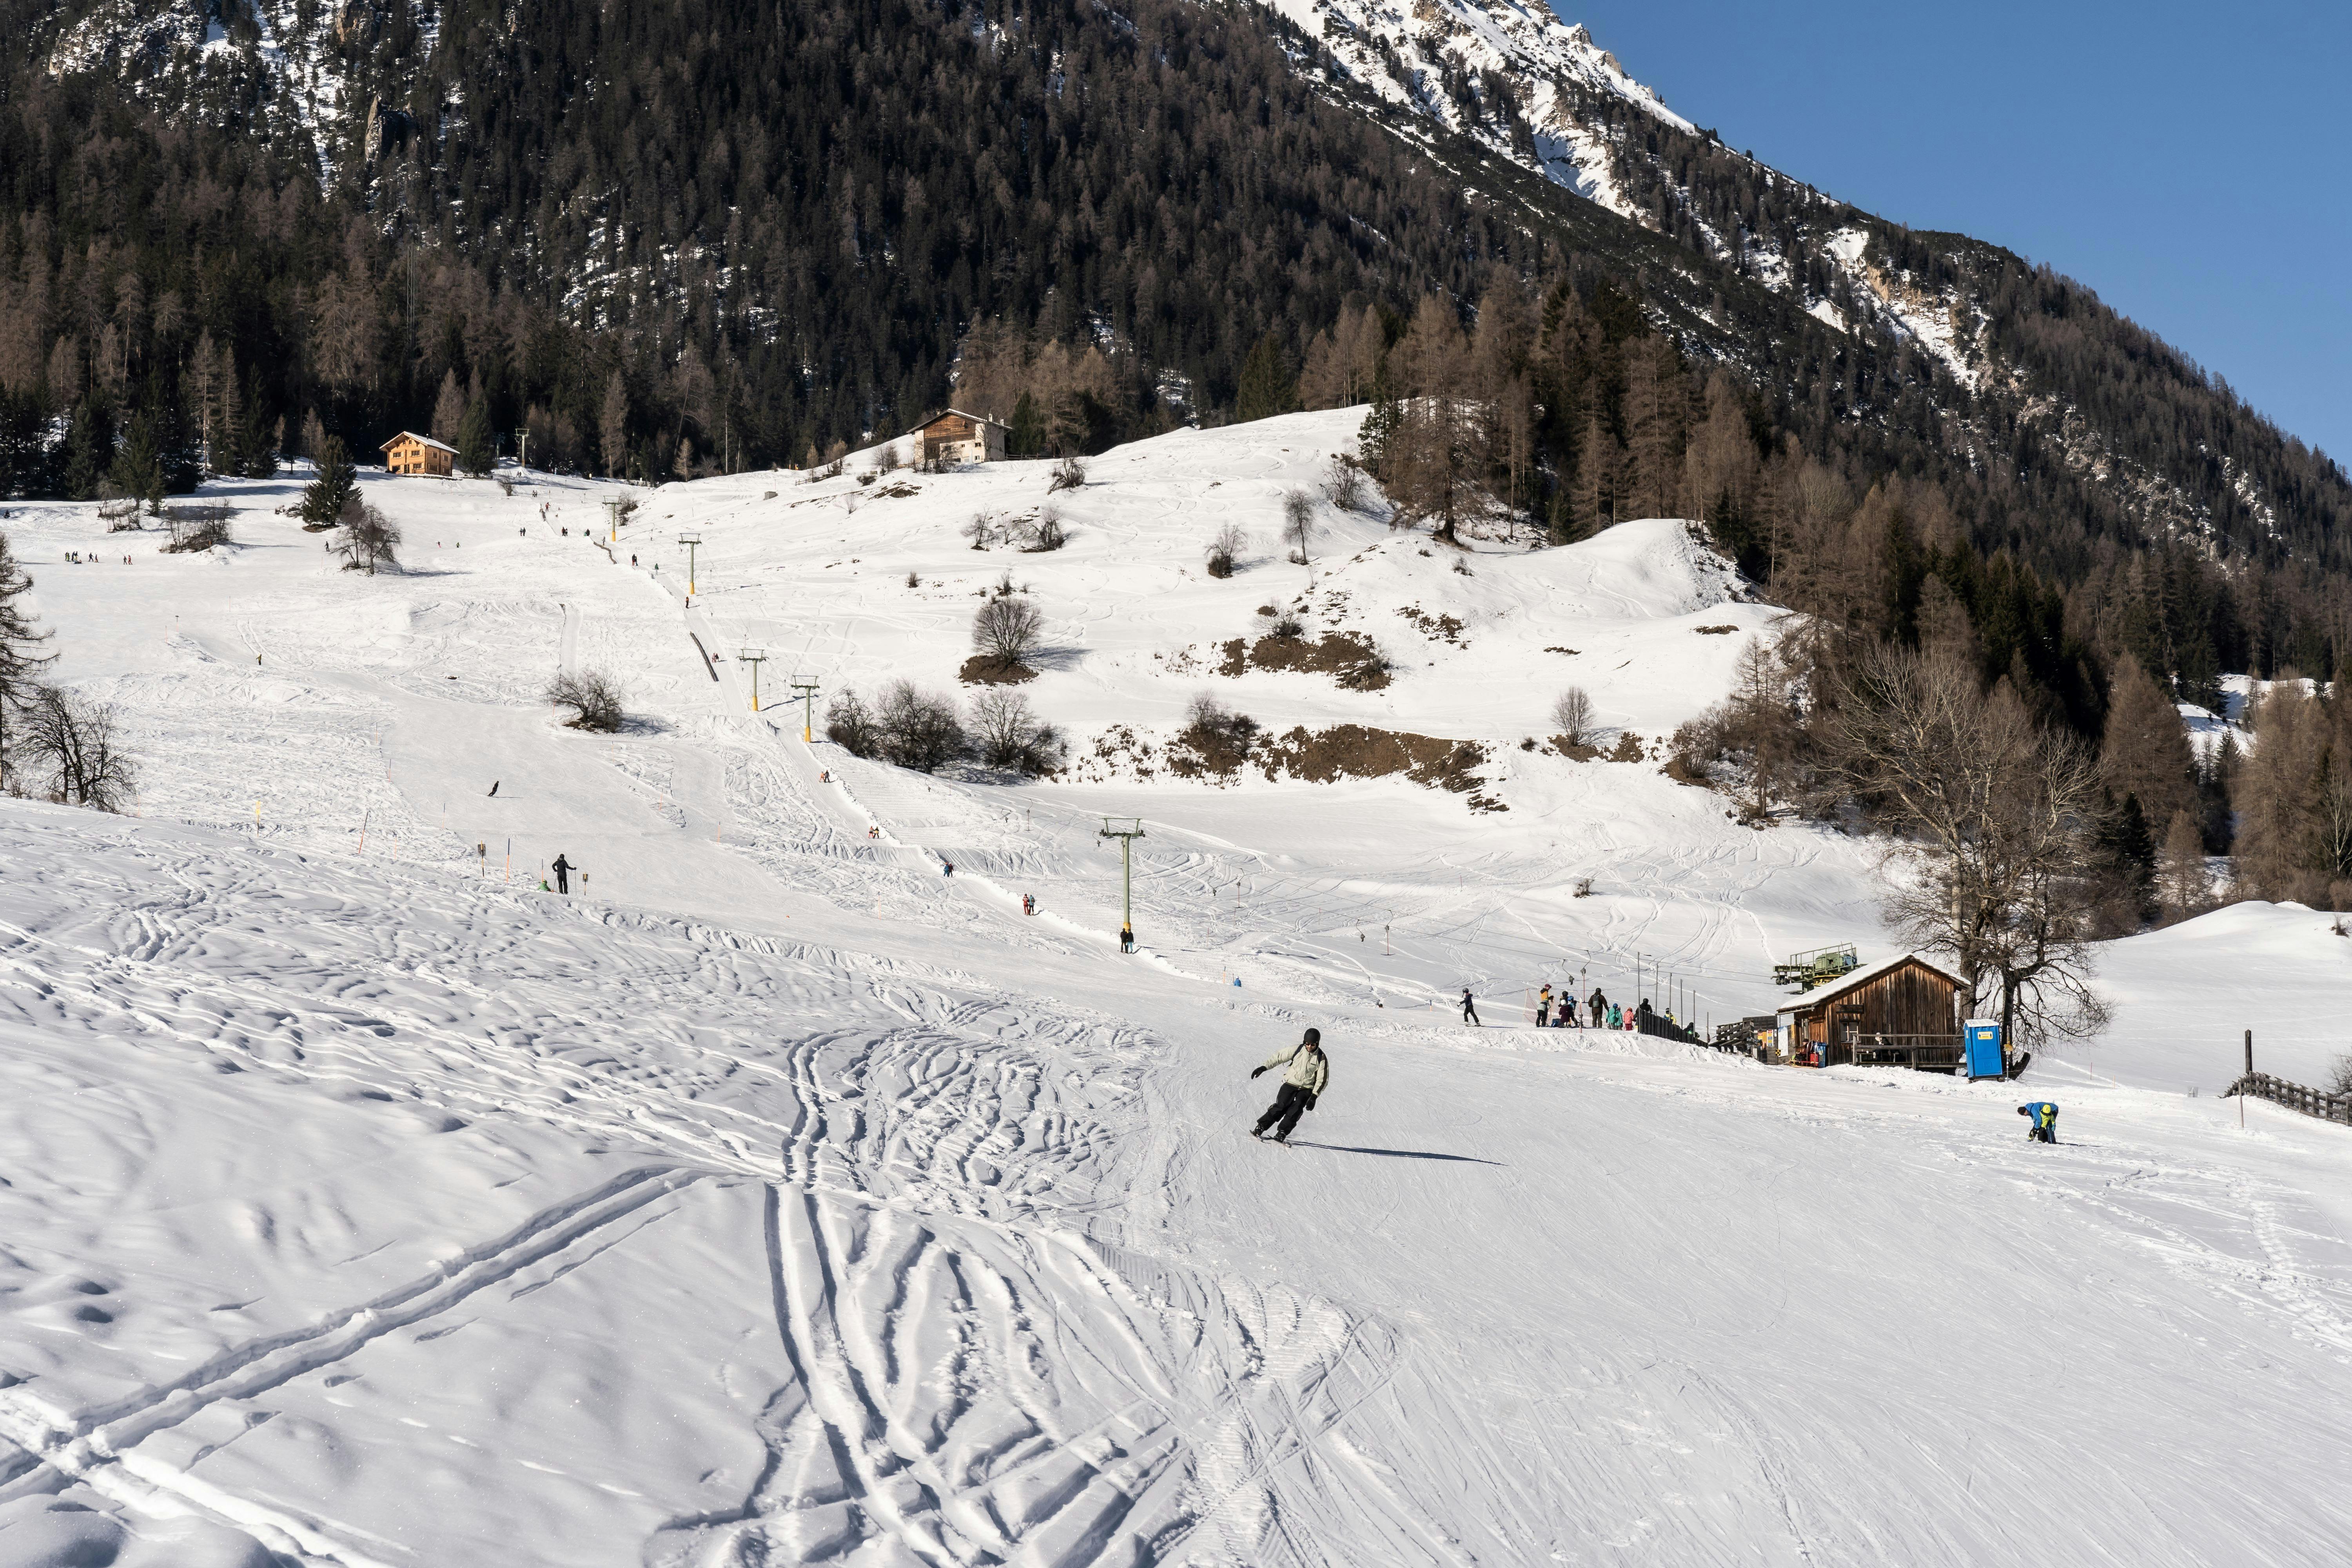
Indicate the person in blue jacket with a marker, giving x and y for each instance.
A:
(2043, 1124)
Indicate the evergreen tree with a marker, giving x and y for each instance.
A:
(1267, 387)
(324, 497)
(1379, 430)
(179, 445)
(88, 452)
(18, 640)
(138, 466)
(476, 454)
(1025, 437)
(257, 447)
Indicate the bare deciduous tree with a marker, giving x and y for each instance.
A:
(1343, 483)
(1225, 550)
(1998, 818)
(369, 539)
(594, 697)
(1008, 733)
(1008, 630)
(917, 729)
(1572, 716)
(1068, 474)
(1297, 522)
(73, 741)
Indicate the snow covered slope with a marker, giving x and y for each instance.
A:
(783, 1199)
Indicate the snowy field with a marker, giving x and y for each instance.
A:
(781, 1199)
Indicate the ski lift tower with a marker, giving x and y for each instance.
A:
(692, 543)
(806, 692)
(755, 657)
(1126, 830)
(612, 520)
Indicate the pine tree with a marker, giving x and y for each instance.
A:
(87, 449)
(257, 447)
(1267, 387)
(17, 641)
(338, 482)
(1025, 437)
(475, 454)
(613, 424)
(138, 466)
(1380, 421)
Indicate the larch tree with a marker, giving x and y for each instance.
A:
(448, 409)
(2144, 751)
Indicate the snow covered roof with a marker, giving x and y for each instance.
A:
(1861, 976)
(420, 440)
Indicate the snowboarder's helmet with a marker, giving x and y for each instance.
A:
(1314, 1037)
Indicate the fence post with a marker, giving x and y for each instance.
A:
(2250, 1053)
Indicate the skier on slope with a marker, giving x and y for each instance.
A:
(1596, 1008)
(563, 870)
(1469, 1008)
(1302, 1085)
(2043, 1125)
(1543, 1007)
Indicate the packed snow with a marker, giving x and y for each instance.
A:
(779, 1197)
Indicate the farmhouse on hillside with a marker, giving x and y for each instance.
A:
(1901, 1010)
(409, 453)
(962, 437)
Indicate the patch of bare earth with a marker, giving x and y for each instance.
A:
(986, 669)
(1348, 658)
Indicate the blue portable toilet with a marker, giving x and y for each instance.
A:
(1983, 1046)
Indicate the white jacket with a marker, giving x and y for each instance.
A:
(1311, 1070)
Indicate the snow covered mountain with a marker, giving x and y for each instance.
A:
(776, 1197)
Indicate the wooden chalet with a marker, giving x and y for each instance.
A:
(962, 437)
(1901, 1010)
(409, 453)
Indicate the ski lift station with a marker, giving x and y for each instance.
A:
(1902, 1010)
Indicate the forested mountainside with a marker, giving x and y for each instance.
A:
(669, 239)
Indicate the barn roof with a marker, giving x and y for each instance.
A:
(420, 440)
(1861, 976)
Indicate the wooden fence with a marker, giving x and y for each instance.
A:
(2296, 1097)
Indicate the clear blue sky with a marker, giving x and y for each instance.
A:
(2192, 164)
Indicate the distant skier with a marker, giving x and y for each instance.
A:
(1596, 1007)
(1469, 1008)
(563, 870)
(1127, 938)
(1543, 1008)
(2043, 1125)
(1616, 1016)
(494, 789)
(1302, 1085)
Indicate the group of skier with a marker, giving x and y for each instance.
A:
(1564, 1012)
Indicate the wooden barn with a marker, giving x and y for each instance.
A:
(962, 437)
(1901, 1010)
(409, 453)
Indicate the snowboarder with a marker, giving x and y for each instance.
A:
(1543, 1008)
(1302, 1085)
(2043, 1125)
(563, 870)
(1469, 1008)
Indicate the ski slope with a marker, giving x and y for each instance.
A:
(783, 1199)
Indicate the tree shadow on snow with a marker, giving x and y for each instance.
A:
(1395, 1153)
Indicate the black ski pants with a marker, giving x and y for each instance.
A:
(1290, 1105)
(1469, 1013)
(562, 881)
(2044, 1134)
